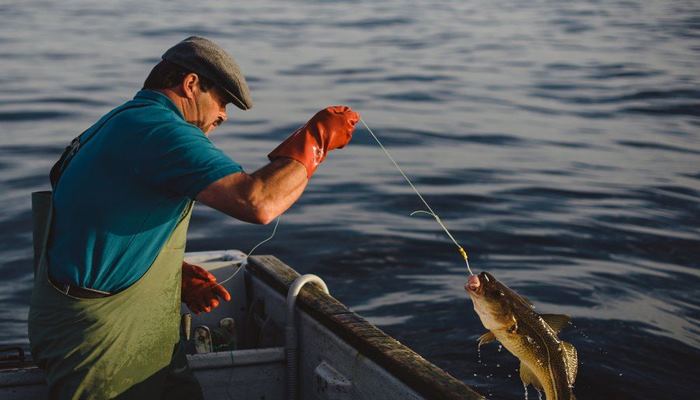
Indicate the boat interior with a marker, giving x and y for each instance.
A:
(282, 336)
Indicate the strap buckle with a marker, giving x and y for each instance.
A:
(74, 147)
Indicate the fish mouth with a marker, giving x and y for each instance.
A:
(473, 285)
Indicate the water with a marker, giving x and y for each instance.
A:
(559, 142)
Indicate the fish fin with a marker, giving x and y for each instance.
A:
(571, 360)
(487, 337)
(556, 321)
(528, 377)
(527, 301)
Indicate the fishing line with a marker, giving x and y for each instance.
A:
(245, 260)
(430, 210)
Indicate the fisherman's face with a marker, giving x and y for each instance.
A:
(209, 110)
(204, 109)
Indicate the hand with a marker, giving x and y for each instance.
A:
(330, 129)
(200, 290)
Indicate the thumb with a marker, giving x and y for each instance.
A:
(353, 117)
(203, 273)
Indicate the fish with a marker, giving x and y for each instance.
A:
(546, 362)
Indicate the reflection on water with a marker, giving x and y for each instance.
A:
(558, 141)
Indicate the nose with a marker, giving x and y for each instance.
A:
(220, 119)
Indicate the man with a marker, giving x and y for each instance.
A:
(104, 316)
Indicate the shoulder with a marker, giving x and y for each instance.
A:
(144, 114)
(175, 134)
(157, 125)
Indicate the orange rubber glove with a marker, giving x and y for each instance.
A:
(331, 128)
(200, 291)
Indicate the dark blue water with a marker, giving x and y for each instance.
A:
(559, 141)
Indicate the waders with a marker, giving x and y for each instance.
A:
(126, 345)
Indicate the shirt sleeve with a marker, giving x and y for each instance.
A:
(180, 159)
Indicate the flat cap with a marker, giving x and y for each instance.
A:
(206, 58)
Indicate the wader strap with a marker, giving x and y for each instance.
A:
(80, 141)
(42, 202)
(42, 214)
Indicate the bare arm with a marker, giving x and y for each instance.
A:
(271, 190)
(260, 196)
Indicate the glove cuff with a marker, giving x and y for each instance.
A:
(301, 147)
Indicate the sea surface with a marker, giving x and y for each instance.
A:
(559, 141)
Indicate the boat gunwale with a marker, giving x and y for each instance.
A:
(405, 364)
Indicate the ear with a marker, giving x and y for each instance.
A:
(190, 85)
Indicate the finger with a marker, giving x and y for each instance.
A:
(214, 303)
(209, 276)
(222, 292)
(206, 275)
(353, 117)
(202, 273)
(203, 304)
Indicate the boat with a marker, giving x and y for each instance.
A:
(290, 339)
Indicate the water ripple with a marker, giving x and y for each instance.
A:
(17, 116)
(656, 146)
(557, 140)
(666, 111)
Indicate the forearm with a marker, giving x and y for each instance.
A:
(278, 185)
(270, 191)
(258, 197)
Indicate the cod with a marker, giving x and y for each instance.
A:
(546, 362)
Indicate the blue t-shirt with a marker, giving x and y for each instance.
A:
(123, 193)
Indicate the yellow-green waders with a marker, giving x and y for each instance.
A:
(124, 346)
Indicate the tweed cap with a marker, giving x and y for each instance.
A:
(206, 58)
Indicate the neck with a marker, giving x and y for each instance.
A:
(175, 98)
